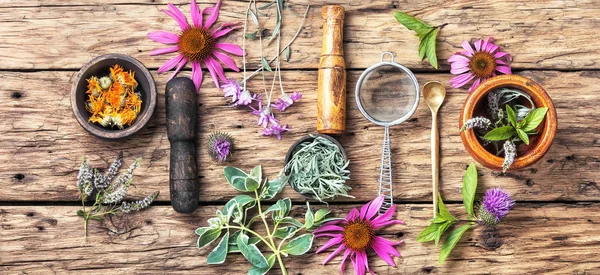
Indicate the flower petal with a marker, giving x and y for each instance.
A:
(387, 223)
(467, 46)
(163, 37)
(459, 70)
(197, 74)
(461, 80)
(170, 64)
(501, 54)
(177, 15)
(222, 32)
(359, 266)
(330, 243)
(164, 50)
(334, 253)
(181, 64)
(352, 215)
(218, 68)
(228, 61)
(213, 72)
(475, 84)
(383, 250)
(230, 48)
(212, 18)
(458, 58)
(343, 264)
(328, 228)
(484, 44)
(386, 216)
(504, 69)
(333, 235)
(387, 245)
(196, 14)
(492, 48)
(374, 207)
(478, 45)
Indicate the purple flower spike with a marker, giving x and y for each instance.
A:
(286, 101)
(496, 204)
(276, 130)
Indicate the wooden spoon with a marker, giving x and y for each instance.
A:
(434, 93)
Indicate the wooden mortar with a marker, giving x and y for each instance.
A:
(331, 93)
(182, 120)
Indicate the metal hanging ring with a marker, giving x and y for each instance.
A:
(387, 53)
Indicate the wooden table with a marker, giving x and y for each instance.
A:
(553, 228)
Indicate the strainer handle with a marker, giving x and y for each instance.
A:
(385, 176)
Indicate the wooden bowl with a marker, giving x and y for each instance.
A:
(99, 66)
(539, 144)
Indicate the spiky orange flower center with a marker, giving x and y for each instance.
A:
(358, 235)
(196, 44)
(482, 64)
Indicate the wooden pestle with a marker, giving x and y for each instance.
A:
(182, 121)
(331, 93)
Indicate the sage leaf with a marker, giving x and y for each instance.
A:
(251, 252)
(500, 133)
(534, 118)
(412, 23)
(438, 219)
(218, 255)
(523, 136)
(254, 270)
(452, 240)
(443, 211)
(208, 237)
(512, 117)
(428, 43)
(429, 233)
(469, 188)
(265, 64)
(309, 217)
(298, 245)
(288, 54)
(236, 177)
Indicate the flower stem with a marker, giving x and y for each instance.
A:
(243, 228)
(281, 265)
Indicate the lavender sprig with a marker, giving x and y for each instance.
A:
(510, 152)
(127, 207)
(476, 122)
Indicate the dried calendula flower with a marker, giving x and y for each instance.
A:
(112, 99)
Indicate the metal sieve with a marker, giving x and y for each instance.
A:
(387, 94)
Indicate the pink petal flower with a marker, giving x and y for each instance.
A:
(197, 74)
(228, 61)
(330, 243)
(352, 215)
(333, 235)
(170, 64)
(459, 70)
(223, 29)
(163, 37)
(385, 217)
(369, 210)
(230, 48)
(212, 18)
(359, 267)
(177, 15)
(334, 253)
(478, 45)
(196, 14)
(383, 250)
(164, 50)
(468, 48)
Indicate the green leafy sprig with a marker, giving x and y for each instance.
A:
(444, 219)
(520, 129)
(427, 35)
(235, 224)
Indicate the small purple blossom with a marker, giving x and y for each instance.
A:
(497, 203)
(286, 101)
(220, 146)
(265, 116)
(231, 88)
(276, 130)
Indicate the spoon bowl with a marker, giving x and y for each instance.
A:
(434, 93)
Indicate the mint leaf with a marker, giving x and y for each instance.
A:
(443, 227)
(469, 187)
(430, 233)
(534, 118)
(523, 136)
(217, 256)
(500, 133)
(443, 211)
(452, 240)
(412, 23)
(511, 115)
(428, 44)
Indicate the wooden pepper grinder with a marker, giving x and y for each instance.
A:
(331, 94)
(182, 121)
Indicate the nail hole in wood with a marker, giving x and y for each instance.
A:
(19, 176)
(40, 228)
(16, 95)
(30, 214)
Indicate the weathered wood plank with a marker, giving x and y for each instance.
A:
(41, 143)
(540, 34)
(538, 239)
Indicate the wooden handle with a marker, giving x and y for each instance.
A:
(435, 162)
(182, 121)
(331, 93)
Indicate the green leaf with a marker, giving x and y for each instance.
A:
(265, 64)
(309, 217)
(251, 252)
(469, 188)
(266, 6)
(412, 23)
(280, 209)
(236, 177)
(452, 240)
(273, 187)
(254, 270)
(256, 173)
(321, 214)
(534, 118)
(284, 232)
(443, 211)
(438, 219)
(512, 117)
(201, 230)
(422, 47)
(443, 227)
(253, 17)
(80, 212)
(298, 245)
(428, 44)
(290, 220)
(218, 255)
(288, 54)
(251, 184)
(523, 136)
(251, 35)
(208, 237)
(500, 133)
(429, 233)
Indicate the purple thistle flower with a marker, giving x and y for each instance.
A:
(265, 116)
(286, 101)
(276, 130)
(220, 146)
(495, 206)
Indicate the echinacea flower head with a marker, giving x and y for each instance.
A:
(483, 61)
(355, 234)
(495, 205)
(220, 146)
(286, 101)
(275, 129)
(197, 43)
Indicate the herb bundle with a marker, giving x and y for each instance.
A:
(427, 35)
(318, 168)
(494, 207)
(514, 123)
(234, 223)
(108, 195)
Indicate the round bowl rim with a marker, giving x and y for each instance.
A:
(141, 121)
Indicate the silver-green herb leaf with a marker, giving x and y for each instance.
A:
(217, 256)
(299, 245)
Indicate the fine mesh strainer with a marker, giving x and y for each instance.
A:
(387, 94)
